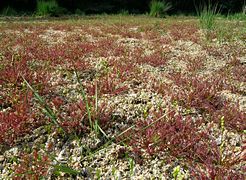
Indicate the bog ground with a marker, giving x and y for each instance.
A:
(120, 97)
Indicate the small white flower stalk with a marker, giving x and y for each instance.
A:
(222, 145)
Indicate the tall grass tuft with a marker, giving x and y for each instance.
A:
(239, 16)
(159, 8)
(8, 11)
(44, 8)
(244, 8)
(207, 13)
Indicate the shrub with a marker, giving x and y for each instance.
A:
(159, 8)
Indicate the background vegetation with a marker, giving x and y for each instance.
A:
(22, 7)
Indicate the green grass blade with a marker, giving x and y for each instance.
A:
(48, 111)
(65, 169)
(84, 96)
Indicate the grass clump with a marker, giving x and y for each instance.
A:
(207, 13)
(159, 8)
(49, 8)
(237, 16)
(8, 11)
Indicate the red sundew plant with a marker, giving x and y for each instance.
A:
(18, 119)
(195, 64)
(160, 87)
(136, 54)
(156, 59)
(12, 75)
(11, 72)
(197, 93)
(109, 84)
(164, 40)
(32, 166)
(208, 171)
(74, 116)
(213, 51)
(132, 57)
(239, 73)
(124, 30)
(125, 71)
(130, 34)
(18, 122)
(203, 95)
(104, 47)
(184, 32)
(119, 51)
(58, 102)
(84, 48)
(176, 135)
(11, 124)
(233, 117)
(179, 137)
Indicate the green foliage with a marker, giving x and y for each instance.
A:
(177, 173)
(207, 13)
(79, 12)
(98, 174)
(44, 7)
(159, 8)
(64, 169)
(124, 12)
(8, 11)
(94, 125)
(49, 8)
(115, 6)
(85, 99)
(237, 16)
(131, 166)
